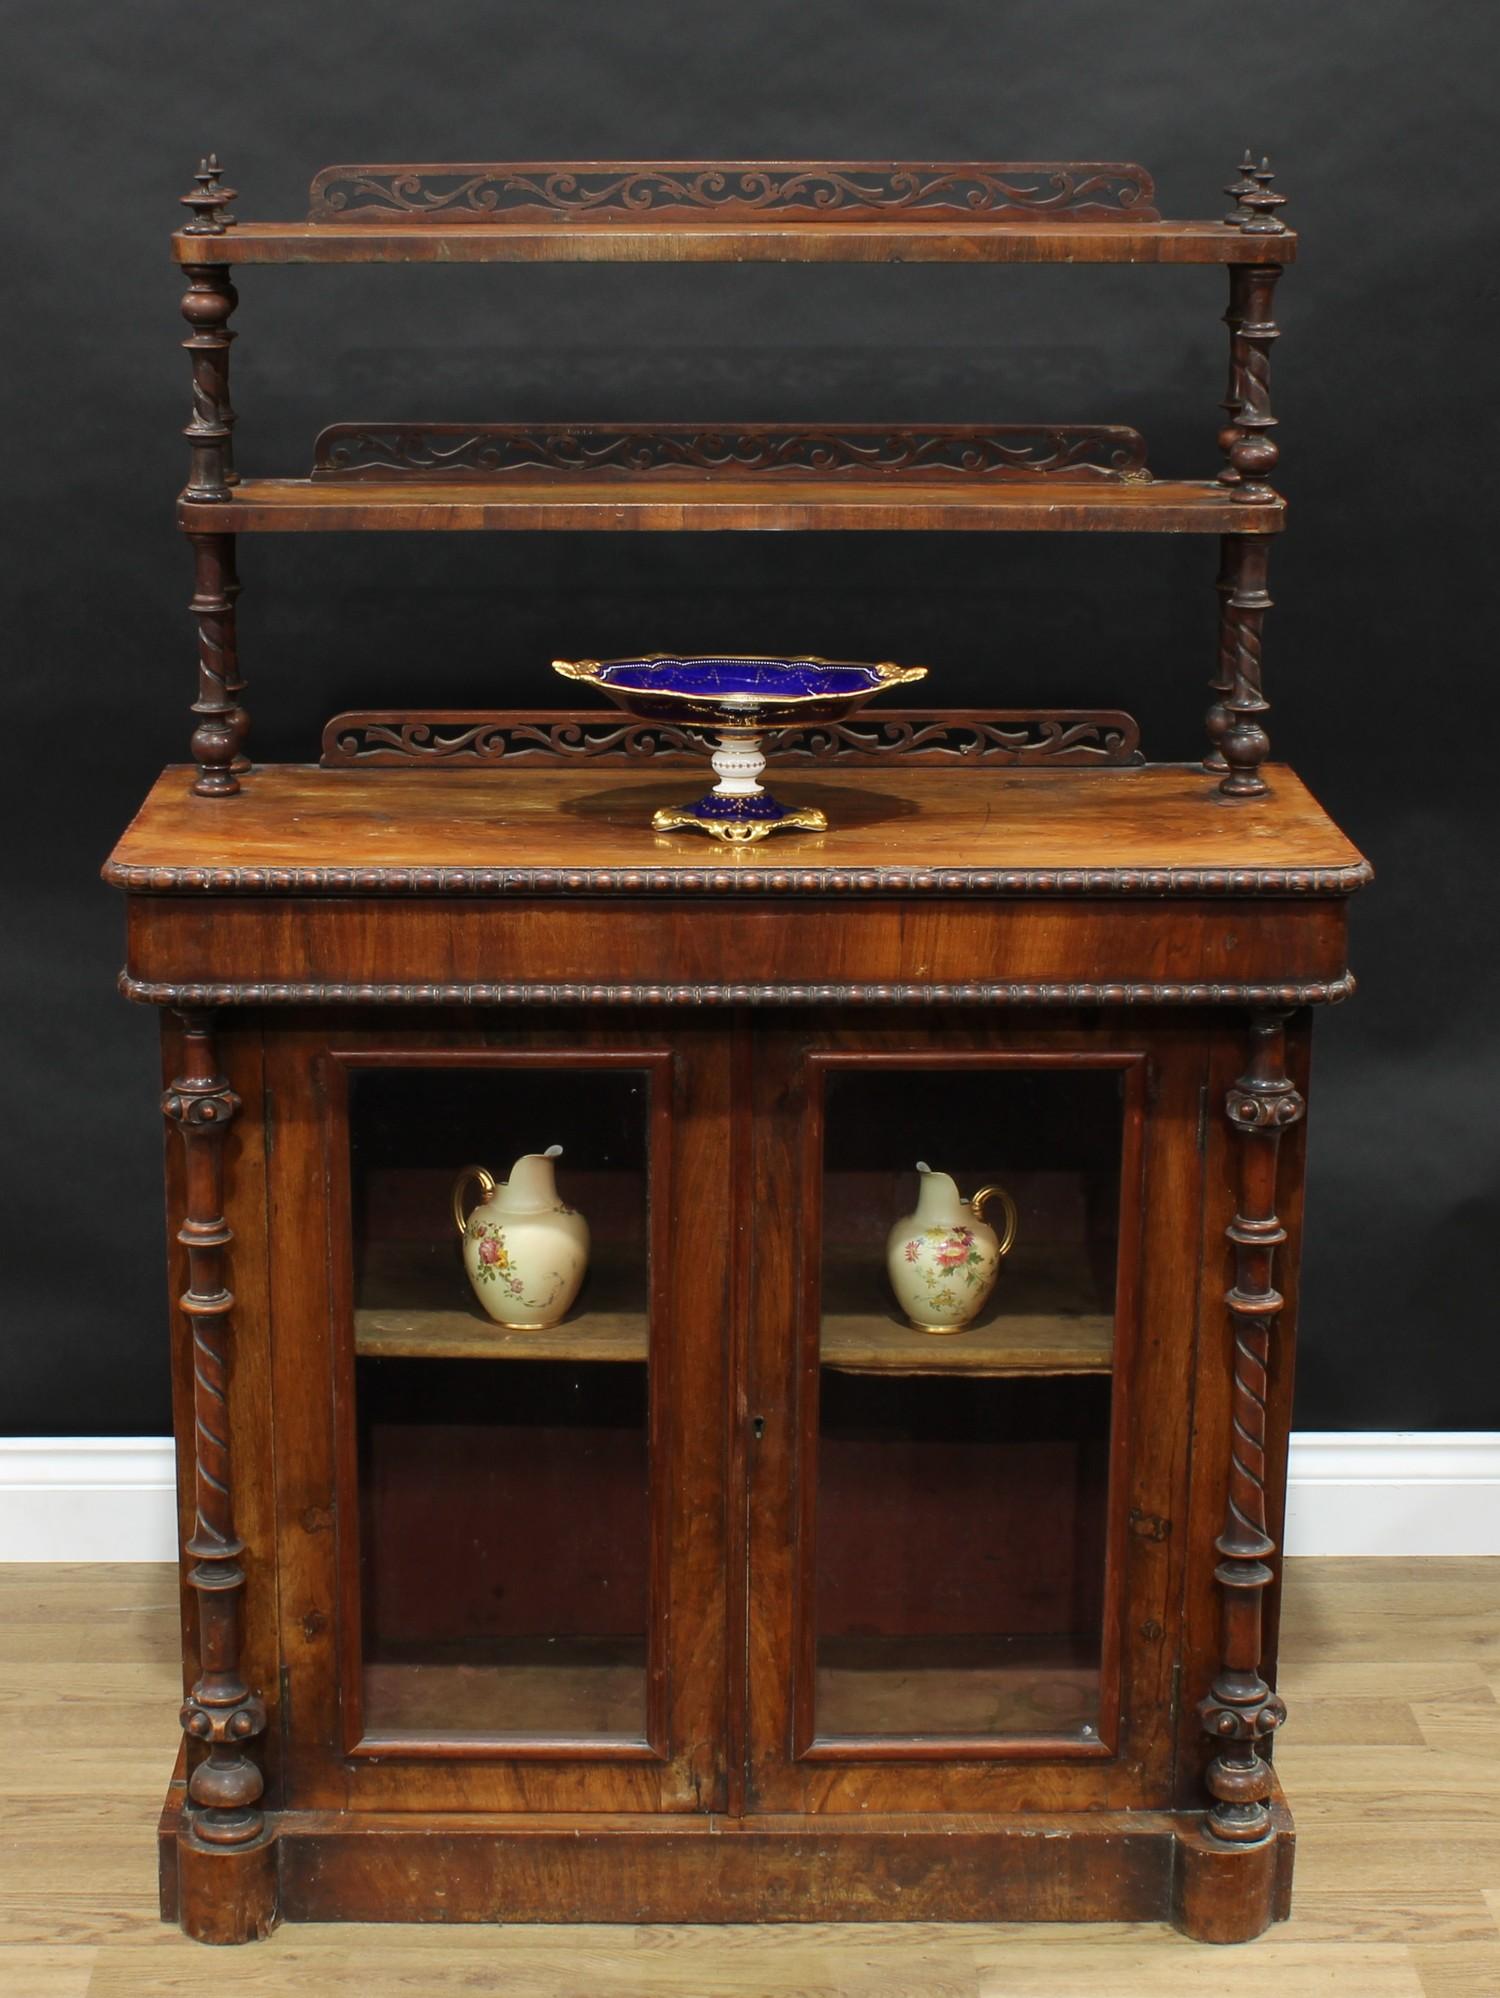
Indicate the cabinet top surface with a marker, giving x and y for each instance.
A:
(1152, 830)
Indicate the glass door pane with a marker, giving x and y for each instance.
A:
(502, 1422)
(964, 1429)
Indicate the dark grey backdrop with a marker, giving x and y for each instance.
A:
(1380, 641)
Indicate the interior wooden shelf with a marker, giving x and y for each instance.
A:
(1040, 1320)
(956, 1686)
(727, 503)
(568, 1685)
(1012, 240)
(866, 1686)
(414, 1302)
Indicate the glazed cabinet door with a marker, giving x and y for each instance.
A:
(967, 1487)
(499, 1487)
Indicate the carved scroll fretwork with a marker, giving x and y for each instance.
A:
(1073, 452)
(1240, 1711)
(1062, 738)
(221, 1711)
(686, 191)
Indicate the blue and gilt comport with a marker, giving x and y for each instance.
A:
(737, 698)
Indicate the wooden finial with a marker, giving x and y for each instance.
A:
(1263, 204)
(209, 201)
(1239, 215)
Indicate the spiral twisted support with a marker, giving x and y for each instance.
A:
(1244, 600)
(207, 305)
(222, 723)
(1251, 450)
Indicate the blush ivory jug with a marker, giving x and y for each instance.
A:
(944, 1258)
(525, 1250)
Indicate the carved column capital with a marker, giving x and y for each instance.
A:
(196, 1102)
(1264, 1106)
(1253, 1719)
(242, 1720)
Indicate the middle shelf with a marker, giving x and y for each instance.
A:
(411, 1304)
(718, 504)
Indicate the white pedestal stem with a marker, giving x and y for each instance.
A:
(738, 763)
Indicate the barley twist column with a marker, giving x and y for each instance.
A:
(1240, 1711)
(219, 735)
(225, 1786)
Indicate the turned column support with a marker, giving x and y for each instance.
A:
(1249, 449)
(1234, 720)
(225, 1786)
(1240, 1711)
(218, 739)
(222, 722)
(1252, 451)
(1234, 390)
(1238, 743)
(209, 301)
(1218, 720)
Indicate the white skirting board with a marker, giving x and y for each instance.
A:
(108, 1498)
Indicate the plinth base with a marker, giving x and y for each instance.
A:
(1084, 1866)
(739, 821)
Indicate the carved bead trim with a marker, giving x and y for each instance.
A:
(1327, 992)
(724, 191)
(388, 739)
(1069, 453)
(709, 880)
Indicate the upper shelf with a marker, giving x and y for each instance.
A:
(703, 211)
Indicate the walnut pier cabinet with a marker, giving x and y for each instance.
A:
(733, 1596)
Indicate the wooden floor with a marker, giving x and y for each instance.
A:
(1391, 1759)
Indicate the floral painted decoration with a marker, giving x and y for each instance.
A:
(951, 1263)
(493, 1265)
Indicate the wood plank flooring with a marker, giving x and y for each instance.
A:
(1391, 1760)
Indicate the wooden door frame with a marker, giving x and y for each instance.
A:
(678, 1763)
(791, 1767)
